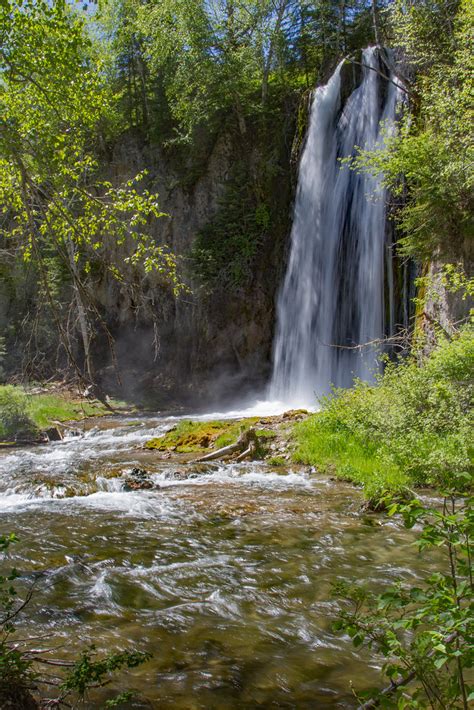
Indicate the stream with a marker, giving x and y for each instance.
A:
(224, 573)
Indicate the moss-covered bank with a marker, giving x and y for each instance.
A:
(199, 437)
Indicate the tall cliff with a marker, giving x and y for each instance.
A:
(228, 219)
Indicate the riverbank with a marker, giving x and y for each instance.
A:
(219, 565)
(410, 429)
(27, 413)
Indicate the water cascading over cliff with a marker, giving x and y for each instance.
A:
(332, 297)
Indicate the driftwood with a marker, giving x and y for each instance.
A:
(94, 391)
(246, 444)
(53, 434)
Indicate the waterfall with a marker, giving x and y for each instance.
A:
(332, 297)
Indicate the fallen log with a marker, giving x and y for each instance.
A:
(246, 444)
(249, 451)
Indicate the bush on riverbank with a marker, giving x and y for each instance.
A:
(15, 422)
(412, 428)
(424, 632)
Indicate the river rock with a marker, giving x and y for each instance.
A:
(53, 434)
(133, 484)
(139, 481)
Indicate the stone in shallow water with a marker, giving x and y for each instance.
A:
(139, 481)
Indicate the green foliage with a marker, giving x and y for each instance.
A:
(425, 633)
(413, 427)
(333, 451)
(3, 353)
(15, 420)
(88, 671)
(224, 251)
(23, 414)
(430, 160)
(211, 62)
(16, 672)
(56, 108)
(276, 461)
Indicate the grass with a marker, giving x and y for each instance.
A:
(412, 428)
(343, 456)
(46, 408)
(24, 413)
(276, 461)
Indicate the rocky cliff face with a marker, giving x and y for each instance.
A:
(213, 342)
(444, 308)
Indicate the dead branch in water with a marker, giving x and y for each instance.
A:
(402, 341)
(246, 444)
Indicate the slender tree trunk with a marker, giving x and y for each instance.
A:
(81, 314)
(142, 77)
(267, 62)
(129, 89)
(240, 115)
(375, 21)
(342, 26)
(303, 42)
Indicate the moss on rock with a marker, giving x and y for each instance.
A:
(189, 436)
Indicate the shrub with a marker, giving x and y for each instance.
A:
(413, 427)
(15, 422)
(425, 633)
(21, 668)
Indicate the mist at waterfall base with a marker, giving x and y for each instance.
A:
(332, 297)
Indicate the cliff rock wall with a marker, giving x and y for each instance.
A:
(214, 341)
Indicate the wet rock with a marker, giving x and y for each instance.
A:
(139, 481)
(53, 434)
(177, 475)
(203, 468)
(134, 484)
(295, 414)
(139, 473)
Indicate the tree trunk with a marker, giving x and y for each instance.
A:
(81, 313)
(374, 20)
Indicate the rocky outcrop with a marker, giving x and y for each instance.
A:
(210, 343)
(442, 307)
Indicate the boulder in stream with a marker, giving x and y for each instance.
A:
(139, 480)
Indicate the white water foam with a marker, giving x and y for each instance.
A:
(332, 298)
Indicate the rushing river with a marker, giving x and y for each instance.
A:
(225, 576)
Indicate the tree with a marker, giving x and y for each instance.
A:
(430, 160)
(56, 110)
